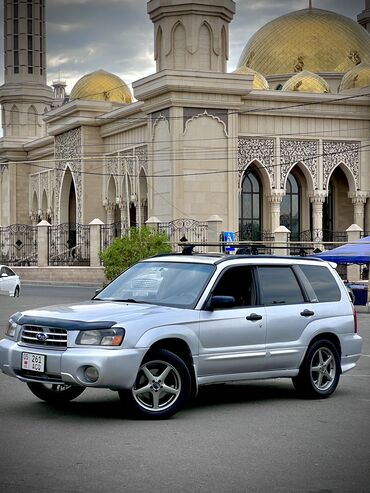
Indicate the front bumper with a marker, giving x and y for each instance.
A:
(117, 368)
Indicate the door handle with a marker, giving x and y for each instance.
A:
(307, 313)
(253, 317)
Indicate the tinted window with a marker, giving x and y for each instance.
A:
(322, 282)
(239, 283)
(9, 271)
(279, 286)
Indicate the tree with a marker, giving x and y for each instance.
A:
(136, 245)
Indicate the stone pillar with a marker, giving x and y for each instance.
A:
(214, 231)
(359, 210)
(275, 201)
(317, 202)
(109, 208)
(281, 237)
(95, 242)
(152, 223)
(42, 244)
(353, 270)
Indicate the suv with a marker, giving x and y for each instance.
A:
(171, 323)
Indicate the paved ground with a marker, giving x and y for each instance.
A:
(255, 437)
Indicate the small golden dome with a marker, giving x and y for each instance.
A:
(306, 82)
(310, 39)
(357, 78)
(101, 86)
(259, 82)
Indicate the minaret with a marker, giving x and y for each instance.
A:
(364, 17)
(191, 35)
(24, 96)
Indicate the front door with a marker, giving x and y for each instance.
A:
(232, 340)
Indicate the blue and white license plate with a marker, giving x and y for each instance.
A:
(33, 362)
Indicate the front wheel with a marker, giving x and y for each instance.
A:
(55, 393)
(161, 388)
(320, 371)
(16, 292)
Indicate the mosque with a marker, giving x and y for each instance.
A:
(282, 140)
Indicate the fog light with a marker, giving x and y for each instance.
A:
(91, 374)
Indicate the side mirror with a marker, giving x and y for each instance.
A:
(220, 301)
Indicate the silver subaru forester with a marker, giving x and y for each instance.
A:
(172, 323)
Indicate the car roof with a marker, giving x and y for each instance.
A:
(218, 258)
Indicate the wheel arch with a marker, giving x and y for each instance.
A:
(329, 336)
(182, 350)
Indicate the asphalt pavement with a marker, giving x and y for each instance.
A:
(252, 437)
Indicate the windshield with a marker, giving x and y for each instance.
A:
(162, 283)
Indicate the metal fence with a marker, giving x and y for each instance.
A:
(18, 245)
(69, 244)
(185, 230)
(108, 232)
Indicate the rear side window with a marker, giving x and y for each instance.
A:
(279, 286)
(322, 282)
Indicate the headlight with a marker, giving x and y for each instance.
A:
(104, 337)
(12, 327)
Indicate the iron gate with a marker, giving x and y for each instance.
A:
(69, 244)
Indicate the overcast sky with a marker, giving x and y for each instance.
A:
(117, 35)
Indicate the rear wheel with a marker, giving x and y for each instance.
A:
(320, 371)
(55, 393)
(161, 388)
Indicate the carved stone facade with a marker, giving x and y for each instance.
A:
(298, 151)
(258, 150)
(341, 153)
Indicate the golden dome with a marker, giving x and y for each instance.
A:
(306, 81)
(357, 78)
(259, 82)
(101, 86)
(310, 39)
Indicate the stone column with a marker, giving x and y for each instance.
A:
(42, 244)
(109, 208)
(95, 242)
(214, 231)
(317, 201)
(275, 201)
(353, 270)
(359, 210)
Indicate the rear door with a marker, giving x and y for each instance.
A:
(288, 313)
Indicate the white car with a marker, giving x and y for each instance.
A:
(10, 284)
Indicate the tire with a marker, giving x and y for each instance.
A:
(55, 393)
(320, 371)
(161, 388)
(16, 292)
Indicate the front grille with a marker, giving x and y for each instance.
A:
(34, 375)
(51, 337)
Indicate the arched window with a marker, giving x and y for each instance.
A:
(290, 216)
(32, 121)
(328, 214)
(250, 220)
(14, 121)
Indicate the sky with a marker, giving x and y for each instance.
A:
(117, 35)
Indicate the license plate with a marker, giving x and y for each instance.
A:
(33, 362)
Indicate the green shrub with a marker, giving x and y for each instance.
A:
(126, 251)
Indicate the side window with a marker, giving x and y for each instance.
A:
(238, 282)
(2, 271)
(279, 286)
(322, 282)
(9, 271)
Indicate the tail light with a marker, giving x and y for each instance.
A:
(354, 319)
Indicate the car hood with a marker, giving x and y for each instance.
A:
(100, 314)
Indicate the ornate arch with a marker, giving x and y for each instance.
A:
(260, 150)
(302, 152)
(205, 114)
(347, 156)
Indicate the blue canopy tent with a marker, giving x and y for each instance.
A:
(357, 252)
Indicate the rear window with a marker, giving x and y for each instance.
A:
(279, 286)
(322, 282)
